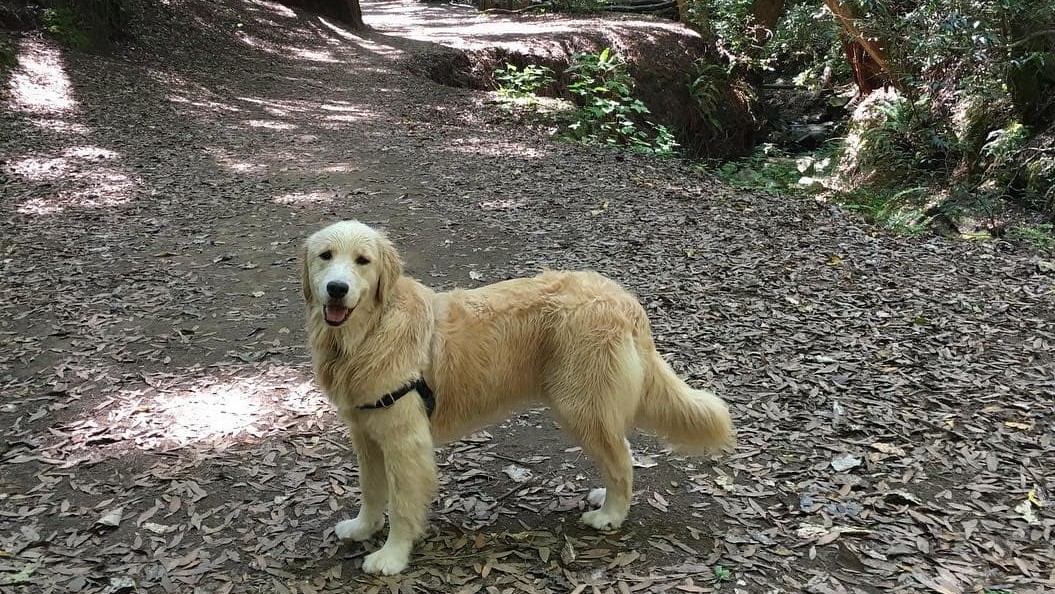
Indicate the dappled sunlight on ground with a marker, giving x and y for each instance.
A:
(505, 204)
(465, 27)
(496, 147)
(304, 198)
(39, 84)
(93, 182)
(280, 107)
(81, 176)
(235, 407)
(235, 163)
(109, 187)
(271, 124)
(310, 55)
(203, 408)
(202, 103)
(340, 168)
(273, 7)
(380, 49)
(60, 126)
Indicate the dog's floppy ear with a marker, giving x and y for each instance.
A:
(391, 268)
(305, 276)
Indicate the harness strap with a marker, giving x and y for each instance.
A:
(418, 385)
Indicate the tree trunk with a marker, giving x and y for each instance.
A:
(871, 66)
(355, 14)
(345, 11)
(766, 14)
(1030, 78)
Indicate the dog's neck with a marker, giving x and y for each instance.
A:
(354, 361)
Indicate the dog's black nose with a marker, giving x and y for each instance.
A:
(336, 289)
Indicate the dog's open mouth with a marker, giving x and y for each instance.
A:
(334, 314)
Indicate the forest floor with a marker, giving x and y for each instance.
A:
(160, 431)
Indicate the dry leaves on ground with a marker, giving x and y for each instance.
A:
(893, 396)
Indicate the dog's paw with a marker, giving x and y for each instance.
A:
(387, 560)
(357, 529)
(603, 520)
(596, 496)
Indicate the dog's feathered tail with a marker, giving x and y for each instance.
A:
(693, 421)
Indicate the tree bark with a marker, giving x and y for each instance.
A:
(345, 11)
(766, 14)
(868, 59)
(1031, 79)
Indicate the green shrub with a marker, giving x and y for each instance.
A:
(87, 24)
(521, 83)
(608, 114)
(8, 54)
(1041, 236)
(902, 211)
(707, 84)
(62, 22)
(519, 87)
(768, 168)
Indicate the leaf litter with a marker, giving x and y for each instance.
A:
(162, 433)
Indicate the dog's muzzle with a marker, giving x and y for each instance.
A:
(334, 311)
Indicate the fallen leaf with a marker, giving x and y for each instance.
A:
(112, 518)
(519, 474)
(844, 462)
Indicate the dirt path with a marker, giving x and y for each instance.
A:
(894, 397)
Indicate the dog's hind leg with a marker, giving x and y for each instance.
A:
(594, 395)
(410, 468)
(603, 439)
(373, 484)
(609, 450)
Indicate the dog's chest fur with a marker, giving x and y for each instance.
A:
(357, 365)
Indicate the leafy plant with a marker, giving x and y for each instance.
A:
(807, 47)
(1041, 236)
(8, 56)
(523, 83)
(62, 22)
(768, 168)
(899, 211)
(974, 109)
(705, 88)
(1003, 143)
(909, 135)
(722, 574)
(608, 114)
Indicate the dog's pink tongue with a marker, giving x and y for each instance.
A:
(335, 314)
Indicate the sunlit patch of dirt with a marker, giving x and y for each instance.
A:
(304, 198)
(109, 187)
(39, 83)
(169, 411)
(60, 126)
(270, 124)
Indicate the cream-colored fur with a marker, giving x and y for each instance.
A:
(574, 341)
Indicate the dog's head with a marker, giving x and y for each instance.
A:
(347, 267)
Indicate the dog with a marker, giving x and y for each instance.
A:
(408, 368)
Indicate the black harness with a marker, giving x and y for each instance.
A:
(419, 385)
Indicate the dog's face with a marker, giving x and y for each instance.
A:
(347, 267)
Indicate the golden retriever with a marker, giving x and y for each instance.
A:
(574, 341)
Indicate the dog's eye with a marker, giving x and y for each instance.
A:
(362, 260)
(327, 255)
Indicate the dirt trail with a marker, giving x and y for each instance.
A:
(893, 395)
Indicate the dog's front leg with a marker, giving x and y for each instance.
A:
(411, 472)
(374, 488)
